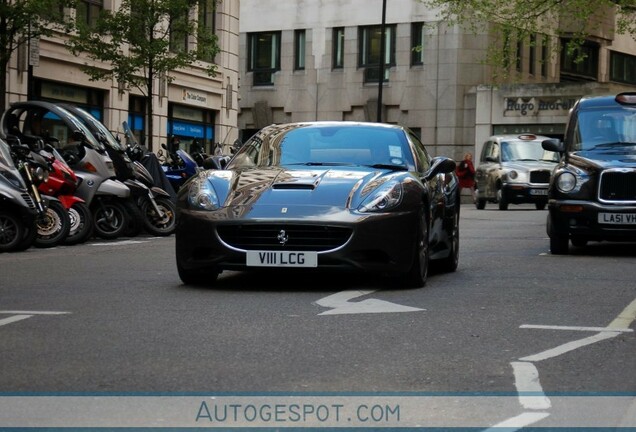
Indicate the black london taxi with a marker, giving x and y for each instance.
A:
(592, 194)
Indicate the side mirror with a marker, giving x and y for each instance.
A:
(553, 145)
(440, 165)
(79, 136)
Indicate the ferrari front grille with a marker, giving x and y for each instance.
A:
(284, 237)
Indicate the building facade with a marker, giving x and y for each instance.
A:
(193, 106)
(304, 60)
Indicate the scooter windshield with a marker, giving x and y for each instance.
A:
(7, 167)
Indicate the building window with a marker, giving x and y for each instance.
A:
(179, 33)
(519, 53)
(369, 51)
(88, 11)
(299, 49)
(263, 56)
(338, 47)
(579, 64)
(417, 43)
(532, 55)
(206, 22)
(622, 68)
(545, 61)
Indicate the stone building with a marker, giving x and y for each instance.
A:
(320, 60)
(194, 106)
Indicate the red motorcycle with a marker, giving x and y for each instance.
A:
(62, 184)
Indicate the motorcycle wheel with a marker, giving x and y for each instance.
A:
(159, 224)
(109, 218)
(81, 224)
(135, 223)
(53, 226)
(11, 231)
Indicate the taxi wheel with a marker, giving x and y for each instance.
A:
(559, 243)
(503, 204)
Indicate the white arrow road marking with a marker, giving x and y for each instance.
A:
(340, 304)
(22, 315)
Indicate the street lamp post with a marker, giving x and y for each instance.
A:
(382, 54)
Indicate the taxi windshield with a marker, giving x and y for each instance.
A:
(605, 128)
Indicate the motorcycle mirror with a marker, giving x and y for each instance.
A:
(79, 136)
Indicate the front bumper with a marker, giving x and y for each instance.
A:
(580, 219)
(380, 243)
(520, 193)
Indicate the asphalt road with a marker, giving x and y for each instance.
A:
(114, 317)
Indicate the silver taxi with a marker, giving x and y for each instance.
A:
(514, 169)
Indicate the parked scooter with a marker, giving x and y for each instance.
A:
(17, 210)
(157, 213)
(179, 166)
(53, 222)
(107, 198)
(63, 184)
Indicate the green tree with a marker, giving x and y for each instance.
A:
(144, 40)
(22, 21)
(573, 20)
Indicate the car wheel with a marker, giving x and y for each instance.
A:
(503, 204)
(540, 206)
(197, 276)
(450, 263)
(579, 242)
(559, 244)
(417, 274)
(480, 204)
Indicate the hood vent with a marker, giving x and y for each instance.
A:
(294, 186)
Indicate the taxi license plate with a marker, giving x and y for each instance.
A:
(282, 259)
(538, 192)
(617, 218)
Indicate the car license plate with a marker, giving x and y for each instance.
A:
(282, 259)
(617, 218)
(538, 191)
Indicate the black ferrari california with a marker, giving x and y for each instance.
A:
(322, 195)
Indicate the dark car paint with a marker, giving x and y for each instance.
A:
(324, 195)
(582, 225)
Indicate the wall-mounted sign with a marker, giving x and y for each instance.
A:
(534, 106)
(194, 97)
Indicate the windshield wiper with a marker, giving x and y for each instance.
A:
(388, 166)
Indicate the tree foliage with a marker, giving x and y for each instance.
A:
(20, 22)
(574, 20)
(144, 40)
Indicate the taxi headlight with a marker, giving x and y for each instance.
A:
(385, 197)
(202, 196)
(566, 182)
(513, 175)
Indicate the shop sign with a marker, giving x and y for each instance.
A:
(534, 106)
(194, 97)
(64, 93)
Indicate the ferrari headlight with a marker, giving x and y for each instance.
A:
(201, 195)
(566, 182)
(385, 197)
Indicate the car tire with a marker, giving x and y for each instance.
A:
(418, 273)
(579, 242)
(450, 263)
(503, 204)
(480, 203)
(559, 244)
(540, 206)
(197, 276)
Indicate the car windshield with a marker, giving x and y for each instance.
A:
(520, 150)
(605, 128)
(327, 145)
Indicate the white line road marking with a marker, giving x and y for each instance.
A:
(22, 315)
(625, 318)
(120, 243)
(340, 304)
(574, 328)
(13, 319)
(4, 312)
(570, 346)
(531, 394)
(518, 422)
